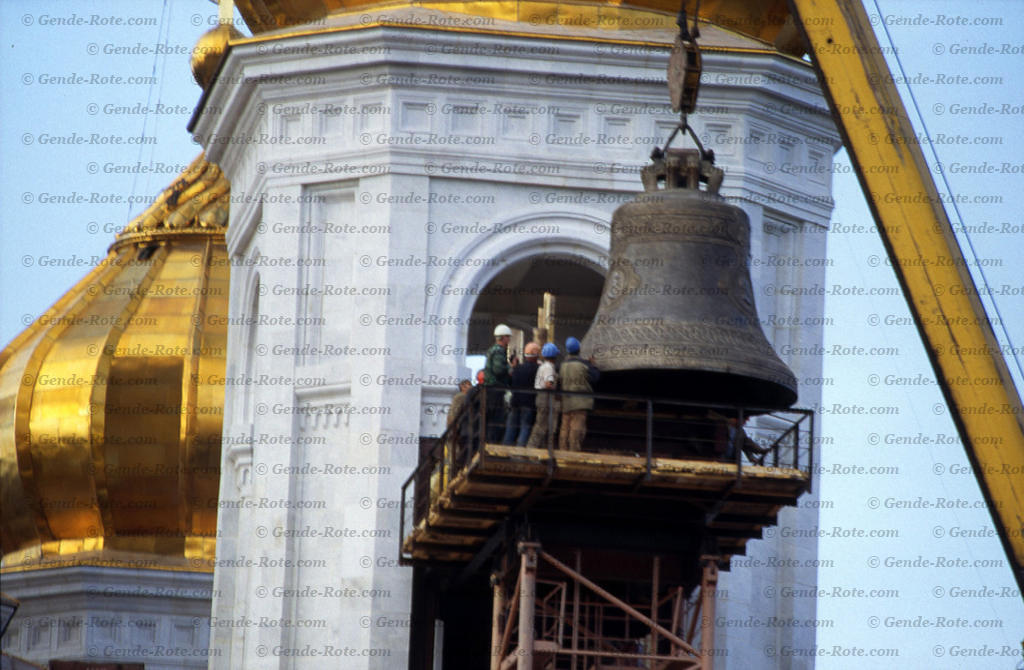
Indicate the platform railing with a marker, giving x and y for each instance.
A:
(619, 424)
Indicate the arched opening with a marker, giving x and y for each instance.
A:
(514, 295)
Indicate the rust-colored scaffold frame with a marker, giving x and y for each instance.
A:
(518, 611)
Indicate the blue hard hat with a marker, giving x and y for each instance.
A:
(550, 350)
(572, 345)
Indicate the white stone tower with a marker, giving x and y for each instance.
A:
(387, 165)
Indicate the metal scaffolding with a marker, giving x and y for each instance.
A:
(571, 622)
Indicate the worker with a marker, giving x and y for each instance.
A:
(469, 426)
(451, 445)
(497, 377)
(523, 406)
(545, 382)
(727, 434)
(580, 376)
(458, 400)
(737, 435)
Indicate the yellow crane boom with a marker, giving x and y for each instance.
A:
(929, 265)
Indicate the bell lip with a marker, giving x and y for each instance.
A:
(757, 395)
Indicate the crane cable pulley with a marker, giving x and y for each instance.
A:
(684, 72)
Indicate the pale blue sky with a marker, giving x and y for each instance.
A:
(37, 47)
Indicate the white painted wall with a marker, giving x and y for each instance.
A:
(403, 155)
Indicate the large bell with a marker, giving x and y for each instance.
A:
(677, 316)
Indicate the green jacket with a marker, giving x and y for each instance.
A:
(497, 369)
(577, 375)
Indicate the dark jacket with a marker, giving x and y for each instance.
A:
(472, 398)
(522, 378)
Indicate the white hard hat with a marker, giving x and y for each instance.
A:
(501, 330)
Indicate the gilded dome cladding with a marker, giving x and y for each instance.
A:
(111, 401)
(767, 21)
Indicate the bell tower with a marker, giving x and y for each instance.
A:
(390, 162)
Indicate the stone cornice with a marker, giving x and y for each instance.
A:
(740, 91)
(312, 57)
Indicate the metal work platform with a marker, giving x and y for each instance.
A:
(647, 465)
(599, 554)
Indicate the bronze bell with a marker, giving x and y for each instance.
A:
(677, 316)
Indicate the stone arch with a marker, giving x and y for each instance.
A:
(581, 235)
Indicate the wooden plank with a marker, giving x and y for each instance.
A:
(442, 556)
(454, 520)
(438, 542)
(479, 497)
(517, 458)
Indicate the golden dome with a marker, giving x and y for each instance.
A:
(765, 20)
(207, 52)
(111, 402)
